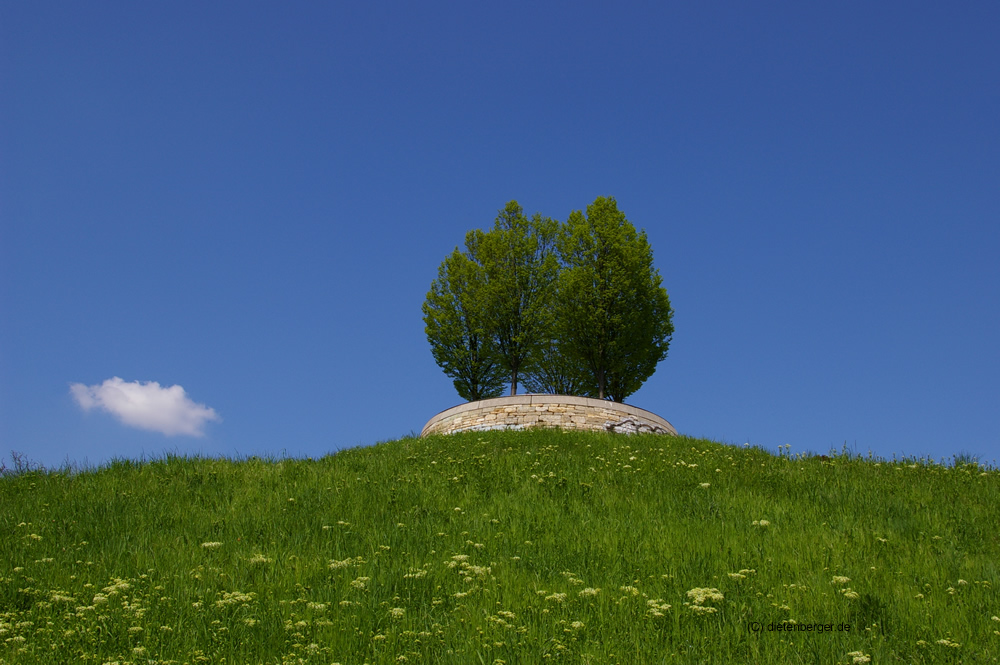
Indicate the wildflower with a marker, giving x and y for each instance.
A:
(840, 579)
(510, 616)
(317, 607)
(859, 657)
(397, 613)
(334, 565)
(699, 596)
(657, 607)
(850, 594)
(211, 546)
(761, 523)
(259, 559)
(557, 598)
(232, 598)
(589, 591)
(359, 583)
(700, 609)
(576, 625)
(119, 585)
(946, 642)
(630, 590)
(705, 485)
(479, 571)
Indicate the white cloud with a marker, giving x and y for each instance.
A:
(146, 406)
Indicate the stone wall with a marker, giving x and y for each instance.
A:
(564, 411)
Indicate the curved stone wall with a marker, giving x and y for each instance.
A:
(564, 411)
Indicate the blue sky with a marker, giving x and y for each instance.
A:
(250, 200)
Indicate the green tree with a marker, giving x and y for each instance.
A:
(614, 315)
(557, 372)
(456, 328)
(518, 260)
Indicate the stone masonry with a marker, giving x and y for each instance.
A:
(562, 411)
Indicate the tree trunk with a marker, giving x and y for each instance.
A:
(513, 383)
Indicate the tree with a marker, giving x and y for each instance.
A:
(596, 325)
(614, 315)
(517, 258)
(557, 372)
(456, 328)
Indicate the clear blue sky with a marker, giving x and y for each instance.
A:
(250, 200)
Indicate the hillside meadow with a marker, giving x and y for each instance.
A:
(503, 547)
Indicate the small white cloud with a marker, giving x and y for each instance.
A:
(146, 406)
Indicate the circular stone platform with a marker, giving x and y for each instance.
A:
(563, 411)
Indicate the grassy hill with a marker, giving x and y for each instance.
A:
(504, 547)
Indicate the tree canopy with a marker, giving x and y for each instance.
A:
(519, 267)
(614, 315)
(456, 328)
(576, 308)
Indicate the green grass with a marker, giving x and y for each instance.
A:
(503, 547)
